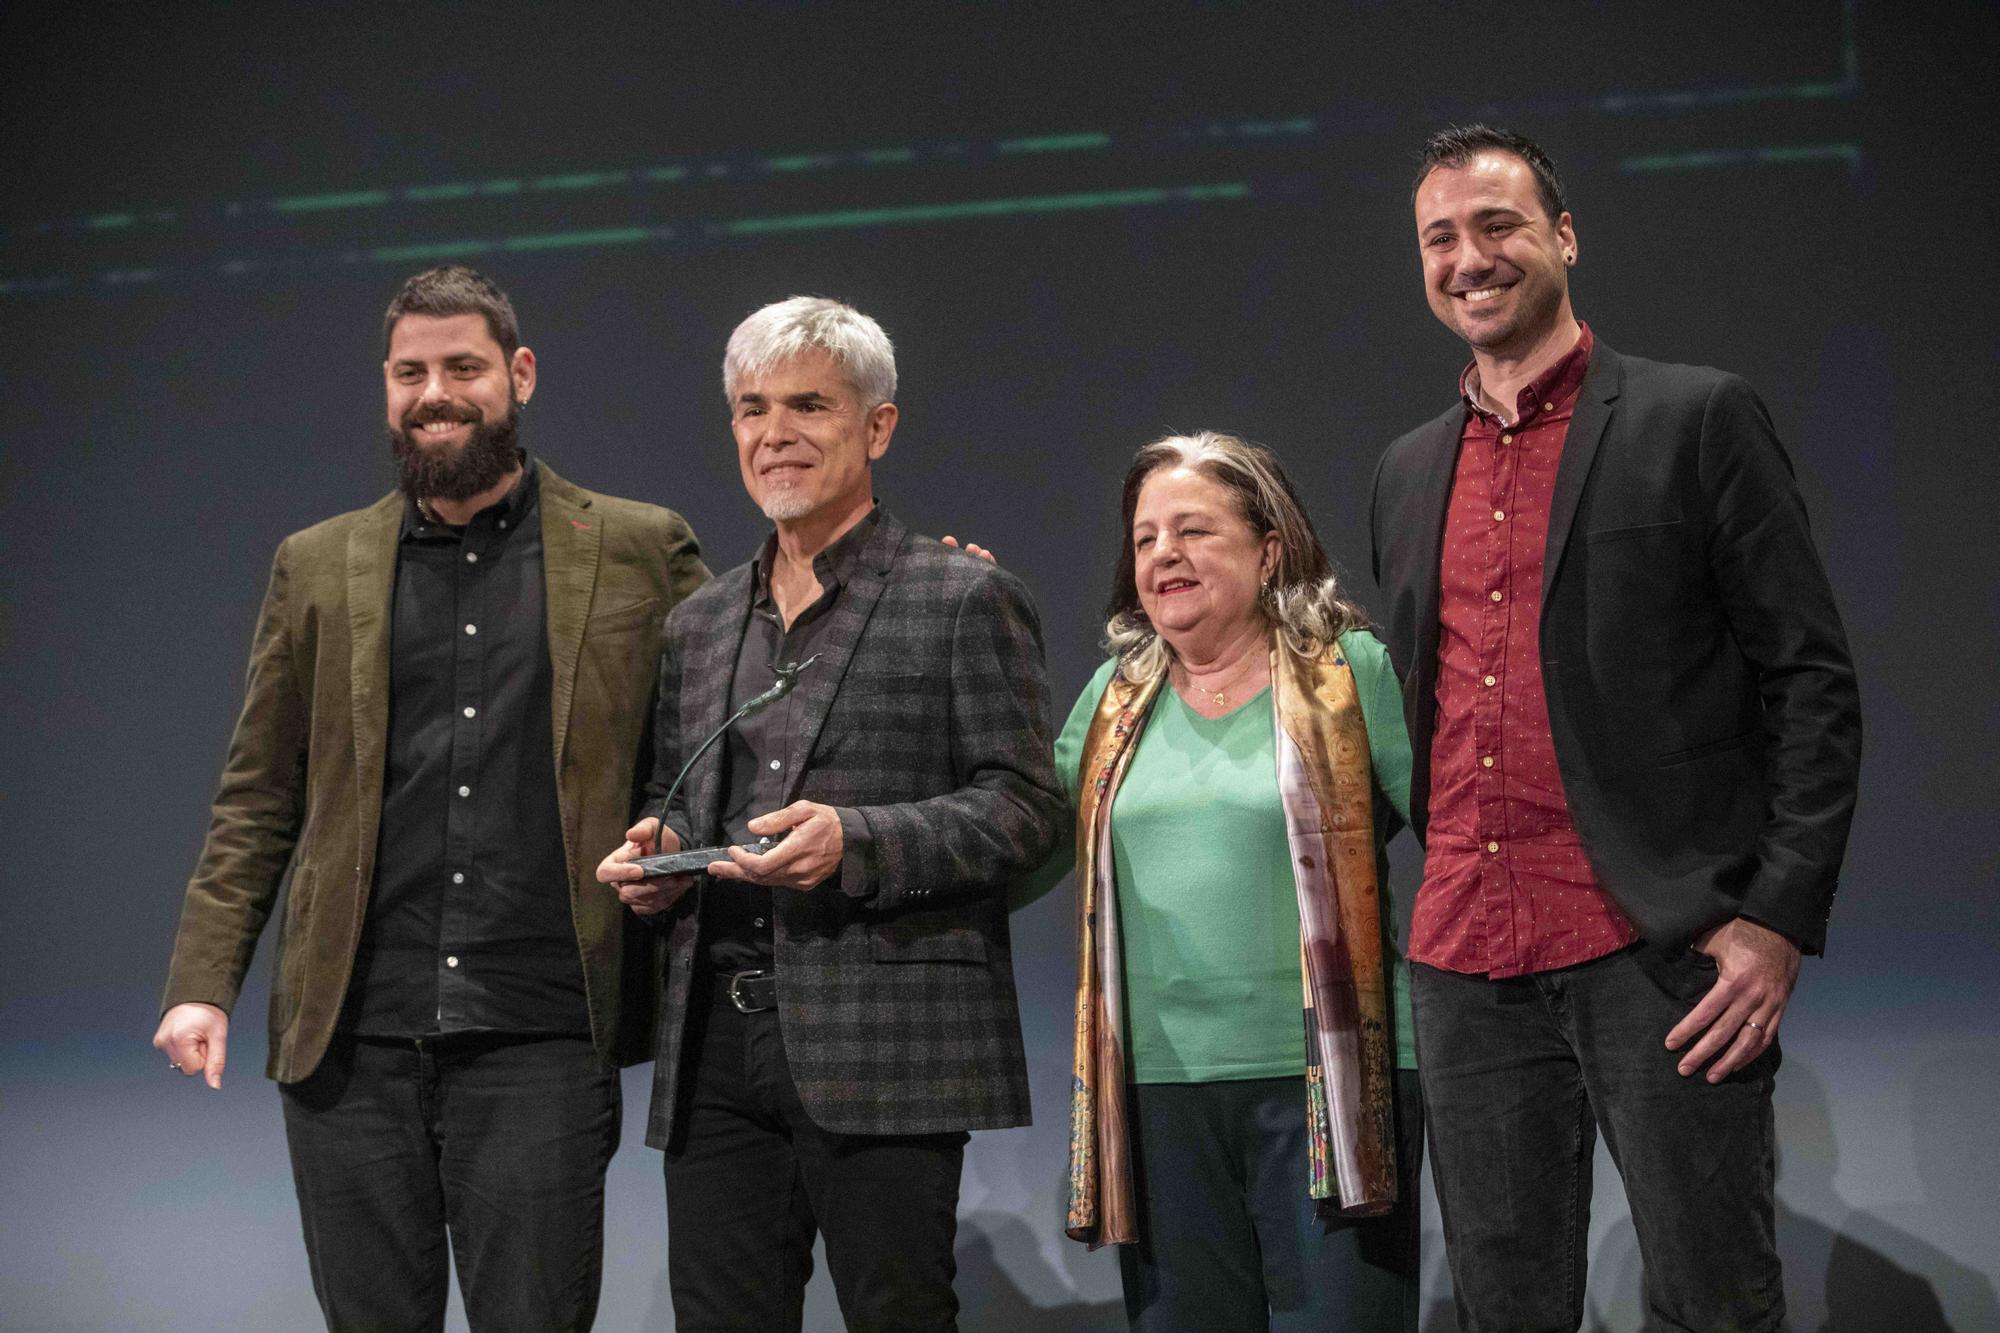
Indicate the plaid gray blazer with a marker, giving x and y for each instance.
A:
(928, 713)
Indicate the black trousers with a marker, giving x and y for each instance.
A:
(1230, 1242)
(1521, 1075)
(751, 1178)
(496, 1145)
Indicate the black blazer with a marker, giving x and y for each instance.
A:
(1702, 700)
(929, 713)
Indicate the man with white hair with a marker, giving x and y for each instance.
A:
(839, 1010)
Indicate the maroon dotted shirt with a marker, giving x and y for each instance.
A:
(1507, 887)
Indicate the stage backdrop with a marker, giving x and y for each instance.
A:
(1083, 226)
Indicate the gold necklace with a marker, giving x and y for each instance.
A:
(1220, 697)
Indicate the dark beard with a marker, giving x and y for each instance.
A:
(427, 472)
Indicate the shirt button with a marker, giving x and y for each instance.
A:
(503, 522)
(472, 712)
(1548, 407)
(472, 557)
(1492, 846)
(1495, 594)
(1506, 439)
(1486, 761)
(1499, 516)
(472, 629)
(775, 765)
(1492, 680)
(758, 922)
(458, 877)
(465, 791)
(451, 961)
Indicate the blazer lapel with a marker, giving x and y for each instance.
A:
(706, 676)
(371, 586)
(1432, 501)
(818, 685)
(572, 538)
(1601, 384)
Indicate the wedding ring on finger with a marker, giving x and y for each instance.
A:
(1753, 1023)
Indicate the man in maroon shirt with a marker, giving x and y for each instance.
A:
(1636, 740)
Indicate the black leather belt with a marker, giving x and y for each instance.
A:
(751, 992)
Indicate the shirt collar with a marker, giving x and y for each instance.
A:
(510, 511)
(1555, 386)
(832, 567)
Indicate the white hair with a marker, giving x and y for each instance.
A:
(786, 329)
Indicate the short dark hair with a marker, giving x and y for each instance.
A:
(454, 289)
(1456, 145)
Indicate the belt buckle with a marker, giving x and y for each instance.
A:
(736, 996)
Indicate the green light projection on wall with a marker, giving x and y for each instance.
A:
(1767, 156)
(1019, 152)
(984, 208)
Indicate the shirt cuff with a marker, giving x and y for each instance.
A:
(857, 854)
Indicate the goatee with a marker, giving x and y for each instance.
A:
(785, 504)
(444, 472)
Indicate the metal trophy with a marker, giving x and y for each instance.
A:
(697, 858)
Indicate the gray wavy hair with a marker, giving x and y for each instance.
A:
(785, 329)
(1303, 598)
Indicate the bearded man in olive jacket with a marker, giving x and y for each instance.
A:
(447, 698)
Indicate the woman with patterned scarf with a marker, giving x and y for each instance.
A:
(1235, 770)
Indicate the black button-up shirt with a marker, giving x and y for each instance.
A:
(468, 926)
(737, 914)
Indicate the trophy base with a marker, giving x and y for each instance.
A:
(699, 858)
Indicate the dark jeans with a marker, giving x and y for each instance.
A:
(1520, 1075)
(1229, 1238)
(499, 1142)
(750, 1178)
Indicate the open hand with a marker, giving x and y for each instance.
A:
(970, 548)
(646, 897)
(808, 856)
(1755, 969)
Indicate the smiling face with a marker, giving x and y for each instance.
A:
(1197, 562)
(1495, 263)
(452, 397)
(804, 442)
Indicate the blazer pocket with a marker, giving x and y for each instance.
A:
(898, 943)
(873, 704)
(1631, 531)
(882, 682)
(1707, 748)
(619, 619)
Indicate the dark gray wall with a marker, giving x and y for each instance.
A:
(1082, 229)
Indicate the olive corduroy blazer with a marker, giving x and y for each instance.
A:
(301, 791)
